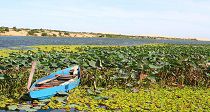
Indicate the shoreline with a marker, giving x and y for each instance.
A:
(6, 31)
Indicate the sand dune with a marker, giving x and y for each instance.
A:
(57, 33)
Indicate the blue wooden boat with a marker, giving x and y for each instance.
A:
(51, 91)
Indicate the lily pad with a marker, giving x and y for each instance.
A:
(2, 76)
(25, 107)
(92, 64)
(72, 105)
(45, 100)
(61, 99)
(101, 98)
(154, 66)
(90, 92)
(37, 107)
(12, 107)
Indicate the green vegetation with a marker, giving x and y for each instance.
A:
(73, 48)
(145, 99)
(44, 34)
(66, 33)
(33, 32)
(135, 78)
(14, 28)
(39, 32)
(60, 34)
(54, 35)
(114, 36)
(4, 29)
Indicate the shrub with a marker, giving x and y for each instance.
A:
(60, 34)
(6, 29)
(66, 33)
(30, 32)
(44, 34)
(42, 30)
(1, 30)
(54, 35)
(19, 30)
(14, 28)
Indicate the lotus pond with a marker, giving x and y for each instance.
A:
(135, 78)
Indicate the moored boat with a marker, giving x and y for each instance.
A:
(60, 81)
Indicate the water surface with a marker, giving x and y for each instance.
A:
(18, 41)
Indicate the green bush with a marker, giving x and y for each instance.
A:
(32, 32)
(4, 29)
(54, 35)
(14, 28)
(19, 30)
(66, 33)
(60, 34)
(44, 34)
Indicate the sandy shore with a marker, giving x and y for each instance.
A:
(57, 33)
(50, 33)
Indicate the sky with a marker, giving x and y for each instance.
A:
(177, 18)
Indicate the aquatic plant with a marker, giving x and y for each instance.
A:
(144, 99)
(168, 64)
(132, 67)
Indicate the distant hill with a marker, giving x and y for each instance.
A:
(6, 31)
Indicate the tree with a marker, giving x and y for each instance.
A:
(6, 29)
(2, 30)
(14, 28)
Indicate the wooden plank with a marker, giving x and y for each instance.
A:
(31, 75)
(48, 80)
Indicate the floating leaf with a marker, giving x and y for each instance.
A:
(37, 107)
(12, 107)
(133, 75)
(129, 85)
(61, 99)
(45, 100)
(92, 64)
(72, 105)
(152, 78)
(24, 107)
(208, 74)
(90, 92)
(101, 98)
(154, 66)
(2, 76)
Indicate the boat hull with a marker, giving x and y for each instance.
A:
(49, 92)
